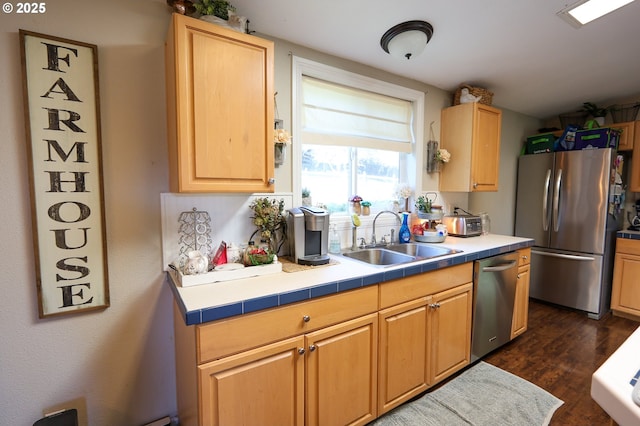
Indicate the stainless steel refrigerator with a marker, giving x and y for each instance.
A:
(563, 203)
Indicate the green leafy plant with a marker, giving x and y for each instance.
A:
(219, 8)
(269, 217)
(306, 193)
(594, 110)
(423, 204)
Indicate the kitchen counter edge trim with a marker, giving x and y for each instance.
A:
(200, 316)
(629, 235)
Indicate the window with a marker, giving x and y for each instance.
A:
(356, 136)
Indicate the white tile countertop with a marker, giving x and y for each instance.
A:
(611, 383)
(209, 302)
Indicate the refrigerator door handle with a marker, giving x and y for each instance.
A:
(563, 256)
(545, 201)
(556, 201)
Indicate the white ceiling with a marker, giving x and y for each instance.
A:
(533, 61)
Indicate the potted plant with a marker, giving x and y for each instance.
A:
(219, 8)
(426, 208)
(598, 113)
(269, 218)
(306, 197)
(423, 204)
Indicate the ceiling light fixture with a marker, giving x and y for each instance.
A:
(407, 39)
(585, 11)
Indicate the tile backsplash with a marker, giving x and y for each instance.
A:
(230, 217)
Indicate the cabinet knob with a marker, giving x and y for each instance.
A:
(301, 351)
(525, 257)
(312, 348)
(306, 318)
(434, 305)
(518, 276)
(272, 181)
(475, 185)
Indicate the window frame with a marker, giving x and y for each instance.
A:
(302, 66)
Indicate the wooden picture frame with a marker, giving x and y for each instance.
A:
(62, 117)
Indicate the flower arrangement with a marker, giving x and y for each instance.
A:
(281, 136)
(404, 191)
(268, 216)
(443, 156)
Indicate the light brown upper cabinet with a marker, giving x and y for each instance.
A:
(219, 108)
(627, 136)
(471, 133)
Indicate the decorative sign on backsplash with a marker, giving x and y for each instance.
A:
(63, 142)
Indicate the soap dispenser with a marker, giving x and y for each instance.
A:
(404, 236)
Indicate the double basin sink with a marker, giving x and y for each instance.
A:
(396, 254)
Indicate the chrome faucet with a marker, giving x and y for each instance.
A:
(373, 236)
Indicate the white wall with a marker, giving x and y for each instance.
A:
(116, 364)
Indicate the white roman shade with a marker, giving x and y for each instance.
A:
(333, 114)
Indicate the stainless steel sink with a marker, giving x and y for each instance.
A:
(396, 254)
(421, 251)
(379, 256)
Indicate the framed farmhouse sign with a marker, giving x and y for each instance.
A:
(60, 79)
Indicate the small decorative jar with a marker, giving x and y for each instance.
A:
(356, 207)
(366, 208)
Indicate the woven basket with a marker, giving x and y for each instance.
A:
(487, 96)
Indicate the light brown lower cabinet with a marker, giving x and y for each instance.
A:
(625, 294)
(267, 385)
(521, 306)
(341, 360)
(427, 338)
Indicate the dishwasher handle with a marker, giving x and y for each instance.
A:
(500, 268)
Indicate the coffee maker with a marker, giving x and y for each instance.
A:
(308, 235)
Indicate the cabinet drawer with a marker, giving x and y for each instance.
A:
(415, 286)
(524, 257)
(232, 335)
(625, 245)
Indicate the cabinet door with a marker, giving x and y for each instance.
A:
(521, 306)
(341, 364)
(627, 135)
(450, 331)
(634, 184)
(471, 133)
(220, 109)
(485, 161)
(264, 385)
(403, 354)
(625, 295)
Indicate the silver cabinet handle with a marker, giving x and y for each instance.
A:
(312, 348)
(306, 318)
(499, 268)
(301, 351)
(434, 305)
(475, 185)
(272, 181)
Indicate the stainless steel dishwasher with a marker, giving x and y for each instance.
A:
(494, 293)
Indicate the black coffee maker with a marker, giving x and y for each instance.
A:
(634, 222)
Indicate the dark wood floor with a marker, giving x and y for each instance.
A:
(559, 352)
